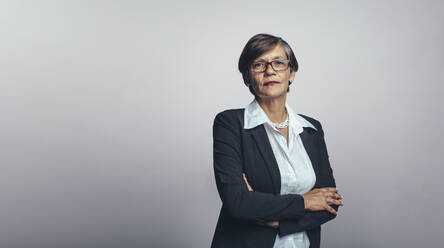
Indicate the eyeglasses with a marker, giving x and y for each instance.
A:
(277, 65)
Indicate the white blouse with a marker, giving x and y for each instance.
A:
(297, 174)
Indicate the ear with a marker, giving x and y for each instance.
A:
(292, 74)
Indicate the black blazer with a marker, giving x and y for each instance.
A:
(237, 150)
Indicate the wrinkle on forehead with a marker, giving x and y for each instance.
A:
(277, 52)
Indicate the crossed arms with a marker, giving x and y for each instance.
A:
(291, 212)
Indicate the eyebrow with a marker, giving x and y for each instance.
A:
(275, 57)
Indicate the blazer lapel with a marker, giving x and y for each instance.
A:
(260, 137)
(308, 137)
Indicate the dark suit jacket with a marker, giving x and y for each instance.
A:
(237, 150)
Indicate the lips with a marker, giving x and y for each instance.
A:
(271, 83)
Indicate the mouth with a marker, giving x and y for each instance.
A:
(270, 83)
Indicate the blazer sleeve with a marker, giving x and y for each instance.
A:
(314, 219)
(236, 199)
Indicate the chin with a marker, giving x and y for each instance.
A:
(273, 94)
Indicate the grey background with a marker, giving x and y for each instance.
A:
(107, 110)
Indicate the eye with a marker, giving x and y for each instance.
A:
(279, 62)
(258, 64)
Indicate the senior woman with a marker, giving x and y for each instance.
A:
(271, 165)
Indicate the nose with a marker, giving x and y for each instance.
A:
(269, 69)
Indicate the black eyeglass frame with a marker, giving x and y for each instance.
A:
(271, 63)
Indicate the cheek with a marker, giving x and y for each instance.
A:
(256, 79)
(286, 75)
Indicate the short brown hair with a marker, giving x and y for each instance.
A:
(258, 45)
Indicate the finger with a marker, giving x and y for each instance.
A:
(249, 187)
(334, 202)
(333, 195)
(245, 178)
(329, 189)
(327, 195)
(246, 182)
(337, 196)
(330, 209)
(272, 223)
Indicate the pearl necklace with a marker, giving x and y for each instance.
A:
(283, 124)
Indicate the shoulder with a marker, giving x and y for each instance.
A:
(230, 114)
(230, 117)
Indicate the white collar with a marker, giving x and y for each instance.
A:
(254, 115)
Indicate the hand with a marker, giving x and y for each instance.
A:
(320, 199)
(248, 185)
(274, 224)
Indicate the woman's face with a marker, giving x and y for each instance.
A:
(260, 80)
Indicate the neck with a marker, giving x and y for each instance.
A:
(274, 108)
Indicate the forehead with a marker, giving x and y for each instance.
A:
(277, 52)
